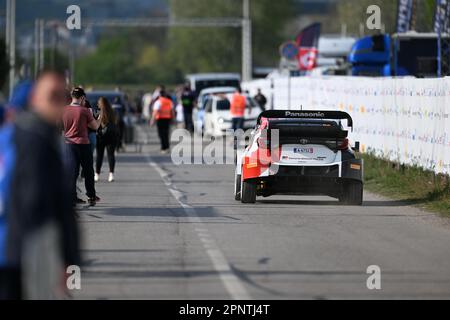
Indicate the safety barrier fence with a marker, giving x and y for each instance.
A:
(405, 120)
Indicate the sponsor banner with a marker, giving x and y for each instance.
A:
(405, 15)
(406, 120)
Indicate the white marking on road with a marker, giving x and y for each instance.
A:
(203, 234)
(230, 280)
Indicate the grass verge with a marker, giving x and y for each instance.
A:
(412, 184)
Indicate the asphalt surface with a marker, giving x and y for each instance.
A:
(164, 231)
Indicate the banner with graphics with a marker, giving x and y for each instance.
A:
(442, 17)
(406, 120)
(406, 15)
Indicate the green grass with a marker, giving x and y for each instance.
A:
(411, 184)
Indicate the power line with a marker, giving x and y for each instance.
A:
(244, 23)
(164, 22)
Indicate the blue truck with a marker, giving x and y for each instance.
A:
(403, 54)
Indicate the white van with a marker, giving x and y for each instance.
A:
(202, 81)
(218, 118)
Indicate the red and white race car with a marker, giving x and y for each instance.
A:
(299, 153)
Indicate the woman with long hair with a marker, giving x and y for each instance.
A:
(106, 138)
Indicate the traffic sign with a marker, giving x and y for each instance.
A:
(289, 50)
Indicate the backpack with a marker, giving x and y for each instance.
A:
(7, 161)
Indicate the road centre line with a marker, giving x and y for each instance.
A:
(230, 280)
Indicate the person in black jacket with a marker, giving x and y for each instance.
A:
(40, 200)
(261, 99)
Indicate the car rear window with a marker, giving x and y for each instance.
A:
(93, 98)
(223, 105)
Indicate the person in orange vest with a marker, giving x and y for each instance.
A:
(163, 113)
(237, 109)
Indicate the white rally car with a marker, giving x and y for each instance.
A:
(299, 153)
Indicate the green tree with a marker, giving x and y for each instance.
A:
(353, 13)
(219, 49)
(425, 15)
(155, 55)
(112, 63)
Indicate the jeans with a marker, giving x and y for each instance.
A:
(163, 132)
(189, 125)
(237, 123)
(82, 156)
(93, 140)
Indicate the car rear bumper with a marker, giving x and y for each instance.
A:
(327, 180)
(348, 169)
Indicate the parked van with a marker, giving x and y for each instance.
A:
(202, 81)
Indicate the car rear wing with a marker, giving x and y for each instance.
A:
(306, 114)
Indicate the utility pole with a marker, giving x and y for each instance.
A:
(8, 23)
(41, 44)
(11, 27)
(439, 42)
(36, 47)
(54, 41)
(72, 53)
(247, 64)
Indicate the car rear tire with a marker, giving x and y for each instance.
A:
(237, 187)
(248, 192)
(353, 194)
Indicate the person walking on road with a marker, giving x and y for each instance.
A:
(77, 120)
(261, 99)
(106, 138)
(163, 113)
(188, 102)
(237, 109)
(40, 220)
(92, 134)
(179, 116)
(120, 111)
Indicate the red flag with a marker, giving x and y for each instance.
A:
(308, 42)
(307, 58)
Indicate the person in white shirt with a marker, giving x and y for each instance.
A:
(179, 116)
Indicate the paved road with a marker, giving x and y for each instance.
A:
(174, 232)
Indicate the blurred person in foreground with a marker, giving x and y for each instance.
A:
(18, 100)
(106, 138)
(40, 236)
(163, 113)
(77, 119)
